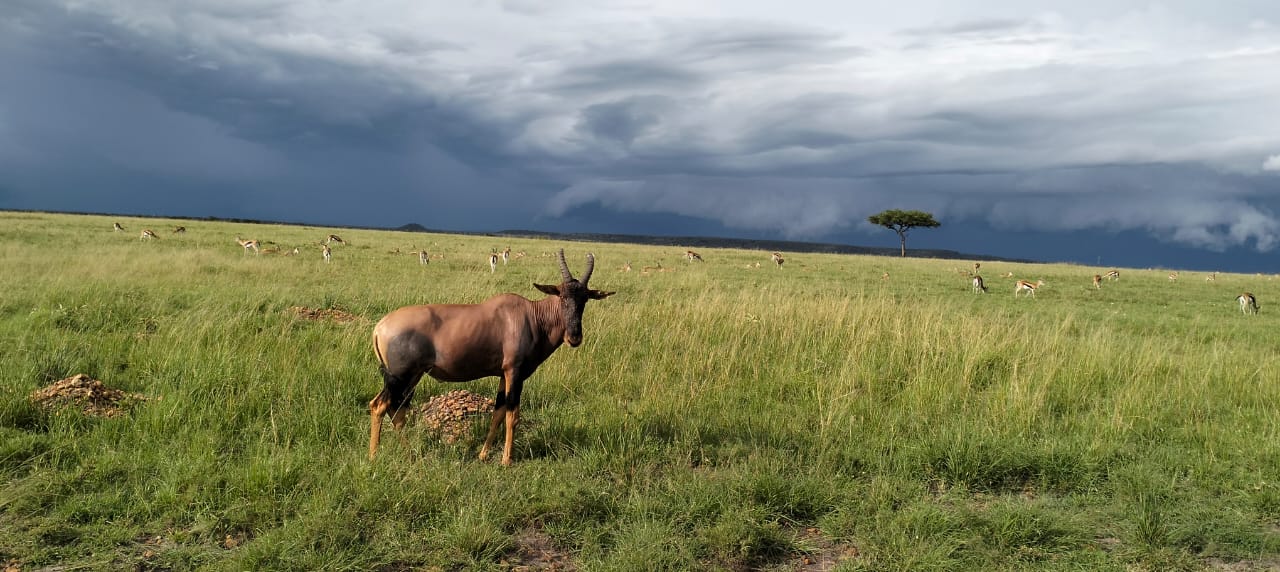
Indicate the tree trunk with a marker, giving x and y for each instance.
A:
(903, 237)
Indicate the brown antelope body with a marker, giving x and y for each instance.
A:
(507, 336)
(691, 256)
(978, 286)
(1113, 275)
(1028, 287)
(1097, 281)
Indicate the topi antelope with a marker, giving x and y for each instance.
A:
(1248, 304)
(507, 336)
(978, 286)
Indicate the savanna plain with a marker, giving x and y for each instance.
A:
(718, 416)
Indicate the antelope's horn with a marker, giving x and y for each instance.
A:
(591, 265)
(564, 267)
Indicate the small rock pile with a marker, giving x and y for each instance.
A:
(87, 394)
(446, 415)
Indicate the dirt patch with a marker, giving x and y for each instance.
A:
(1266, 564)
(448, 415)
(331, 314)
(535, 551)
(824, 554)
(89, 395)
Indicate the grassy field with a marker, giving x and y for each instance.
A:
(718, 416)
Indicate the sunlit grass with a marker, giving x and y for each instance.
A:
(715, 412)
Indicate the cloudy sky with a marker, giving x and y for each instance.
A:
(1126, 133)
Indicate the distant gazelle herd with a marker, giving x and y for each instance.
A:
(1247, 301)
(458, 342)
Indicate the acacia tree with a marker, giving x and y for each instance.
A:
(901, 222)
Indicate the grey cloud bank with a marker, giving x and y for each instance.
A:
(1043, 121)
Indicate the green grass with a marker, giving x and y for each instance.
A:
(716, 413)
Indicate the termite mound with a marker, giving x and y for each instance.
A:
(90, 396)
(447, 415)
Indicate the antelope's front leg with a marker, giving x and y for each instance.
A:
(513, 418)
(377, 408)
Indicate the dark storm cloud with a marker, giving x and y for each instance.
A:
(482, 114)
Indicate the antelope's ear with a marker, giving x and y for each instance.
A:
(552, 290)
(599, 294)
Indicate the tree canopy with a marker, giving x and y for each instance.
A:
(901, 222)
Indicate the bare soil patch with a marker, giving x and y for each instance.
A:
(536, 552)
(1266, 564)
(826, 553)
(89, 395)
(448, 415)
(331, 314)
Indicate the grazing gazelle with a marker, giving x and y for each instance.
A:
(334, 238)
(1007, 275)
(248, 245)
(884, 277)
(147, 234)
(328, 254)
(978, 286)
(1248, 304)
(506, 254)
(1113, 275)
(179, 230)
(1211, 278)
(1173, 276)
(1097, 281)
(507, 336)
(777, 259)
(1029, 287)
(493, 262)
(691, 256)
(117, 227)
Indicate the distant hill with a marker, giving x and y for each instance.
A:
(716, 242)
(684, 241)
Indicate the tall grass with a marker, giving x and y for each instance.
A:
(716, 415)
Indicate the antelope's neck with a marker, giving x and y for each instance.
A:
(550, 319)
